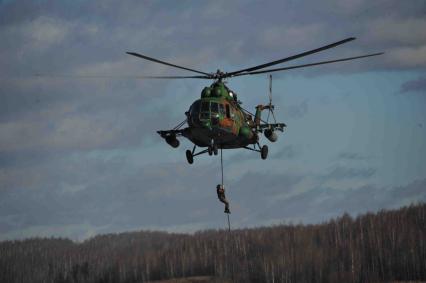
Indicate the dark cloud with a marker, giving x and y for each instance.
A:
(352, 156)
(416, 86)
(255, 193)
(105, 194)
(296, 111)
(322, 203)
(288, 152)
(341, 172)
(63, 31)
(93, 195)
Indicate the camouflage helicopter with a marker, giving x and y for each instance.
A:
(218, 121)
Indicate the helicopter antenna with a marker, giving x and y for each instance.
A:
(270, 96)
(270, 106)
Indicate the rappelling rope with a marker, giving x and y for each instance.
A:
(221, 164)
(221, 167)
(229, 222)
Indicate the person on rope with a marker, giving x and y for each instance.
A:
(221, 195)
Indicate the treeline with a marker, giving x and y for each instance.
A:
(382, 247)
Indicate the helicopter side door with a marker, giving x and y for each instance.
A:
(235, 117)
(232, 118)
(226, 122)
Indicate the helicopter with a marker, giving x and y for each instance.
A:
(218, 121)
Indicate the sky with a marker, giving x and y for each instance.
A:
(81, 156)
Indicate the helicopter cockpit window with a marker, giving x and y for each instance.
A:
(194, 112)
(221, 109)
(205, 110)
(214, 116)
(195, 108)
(214, 107)
(205, 106)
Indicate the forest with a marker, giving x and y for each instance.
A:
(387, 246)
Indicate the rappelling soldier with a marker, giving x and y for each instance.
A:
(221, 195)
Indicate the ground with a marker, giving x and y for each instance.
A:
(195, 279)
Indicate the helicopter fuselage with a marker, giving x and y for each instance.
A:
(217, 120)
(220, 122)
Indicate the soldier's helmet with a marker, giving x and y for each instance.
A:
(218, 186)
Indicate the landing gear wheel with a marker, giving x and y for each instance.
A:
(264, 152)
(210, 150)
(215, 151)
(189, 157)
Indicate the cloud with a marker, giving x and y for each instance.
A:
(407, 56)
(113, 197)
(341, 172)
(288, 152)
(297, 111)
(416, 86)
(394, 31)
(300, 35)
(319, 204)
(352, 156)
(106, 195)
(46, 32)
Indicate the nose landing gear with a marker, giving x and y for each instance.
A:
(212, 149)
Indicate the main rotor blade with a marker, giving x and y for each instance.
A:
(231, 74)
(119, 77)
(309, 65)
(166, 63)
(174, 77)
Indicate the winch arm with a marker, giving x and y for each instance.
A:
(273, 126)
(171, 136)
(167, 133)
